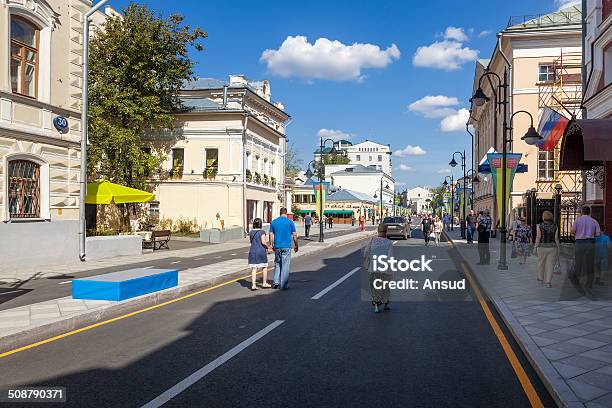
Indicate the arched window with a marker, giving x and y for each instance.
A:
(24, 57)
(23, 189)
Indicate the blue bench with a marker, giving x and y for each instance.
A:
(124, 284)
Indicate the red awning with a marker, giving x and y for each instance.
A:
(586, 143)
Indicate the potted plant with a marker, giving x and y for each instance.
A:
(273, 181)
(266, 179)
(257, 178)
(249, 176)
(210, 173)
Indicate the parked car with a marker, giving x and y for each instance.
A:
(397, 227)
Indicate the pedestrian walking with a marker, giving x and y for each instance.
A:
(362, 221)
(377, 246)
(446, 221)
(330, 219)
(484, 232)
(352, 220)
(307, 224)
(585, 229)
(258, 254)
(522, 240)
(438, 227)
(373, 219)
(547, 248)
(426, 228)
(471, 227)
(282, 236)
(602, 246)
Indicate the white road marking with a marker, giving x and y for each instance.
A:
(149, 267)
(12, 291)
(64, 283)
(333, 285)
(175, 262)
(197, 259)
(210, 367)
(217, 257)
(233, 254)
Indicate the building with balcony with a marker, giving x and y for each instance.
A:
(228, 162)
(41, 44)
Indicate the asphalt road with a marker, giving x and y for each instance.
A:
(40, 290)
(231, 347)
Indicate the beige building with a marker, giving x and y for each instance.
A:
(535, 53)
(230, 156)
(41, 46)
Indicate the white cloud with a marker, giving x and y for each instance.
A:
(446, 55)
(334, 134)
(455, 34)
(399, 183)
(404, 167)
(434, 106)
(326, 59)
(455, 122)
(563, 4)
(444, 171)
(410, 151)
(484, 33)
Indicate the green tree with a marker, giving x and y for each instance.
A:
(293, 164)
(437, 199)
(336, 159)
(138, 64)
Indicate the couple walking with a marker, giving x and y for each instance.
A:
(282, 236)
(432, 227)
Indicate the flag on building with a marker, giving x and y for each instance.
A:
(551, 128)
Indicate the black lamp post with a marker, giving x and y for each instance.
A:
(452, 191)
(381, 196)
(321, 174)
(531, 137)
(453, 163)
(473, 179)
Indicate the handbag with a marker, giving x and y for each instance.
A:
(557, 268)
(432, 235)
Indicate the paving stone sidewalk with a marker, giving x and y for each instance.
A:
(566, 333)
(27, 324)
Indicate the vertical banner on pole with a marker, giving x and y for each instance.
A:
(320, 190)
(496, 162)
(447, 204)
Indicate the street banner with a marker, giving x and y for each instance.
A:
(447, 203)
(551, 128)
(464, 196)
(320, 190)
(512, 162)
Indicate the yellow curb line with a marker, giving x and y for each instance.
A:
(522, 376)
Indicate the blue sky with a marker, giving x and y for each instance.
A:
(359, 79)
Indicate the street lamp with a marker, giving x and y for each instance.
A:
(473, 179)
(321, 173)
(531, 137)
(452, 191)
(453, 163)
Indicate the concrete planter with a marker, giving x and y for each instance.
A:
(112, 246)
(217, 236)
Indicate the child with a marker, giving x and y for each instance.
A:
(602, 243)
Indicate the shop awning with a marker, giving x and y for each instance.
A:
(105, 192)
(338, 212)
(586, 143)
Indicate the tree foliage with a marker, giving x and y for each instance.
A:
(437, 199)
(137, 66)
(336, 159)
(293, 164)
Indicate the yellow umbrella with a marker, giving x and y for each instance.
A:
(105, 192)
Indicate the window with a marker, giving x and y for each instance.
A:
(178, 160)
(546, 73)
(23, 189)
(358, 157)
(370, 158)
(380, 157)
(24, 57)
(154, 212)
(211, 162)
(546, 165)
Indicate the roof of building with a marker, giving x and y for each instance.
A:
(200, 104)
(350, 195)
(358, 168)
(568, 16)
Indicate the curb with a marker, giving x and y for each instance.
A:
(560, 392)
(75, 322)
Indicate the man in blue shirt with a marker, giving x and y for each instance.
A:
(282, 235)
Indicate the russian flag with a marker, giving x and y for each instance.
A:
(552, 126)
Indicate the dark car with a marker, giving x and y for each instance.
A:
(397, 227)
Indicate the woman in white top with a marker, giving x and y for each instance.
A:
(438, 227)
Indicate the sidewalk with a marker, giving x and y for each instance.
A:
(566, 336)
(27, 324)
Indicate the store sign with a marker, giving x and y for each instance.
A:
(61, 124)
